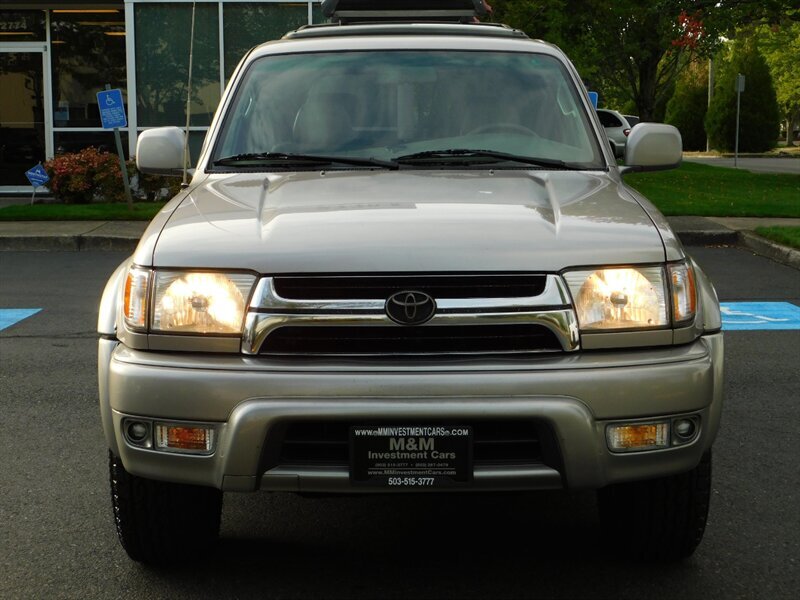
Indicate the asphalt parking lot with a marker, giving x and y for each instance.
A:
(57, 538)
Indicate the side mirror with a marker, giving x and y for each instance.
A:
(653, 147)
(160, 151)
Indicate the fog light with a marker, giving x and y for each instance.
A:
(197, 440)
(637, 437)
(684, 430)
(137, 431)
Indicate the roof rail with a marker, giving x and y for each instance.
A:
(417, 11)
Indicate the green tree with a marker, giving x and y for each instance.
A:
(781, 48)
(759, 119)
(637, 46)
(687, 108)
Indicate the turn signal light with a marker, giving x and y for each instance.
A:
(187, 439)
(637, 437)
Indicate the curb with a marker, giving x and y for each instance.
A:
(764, 247)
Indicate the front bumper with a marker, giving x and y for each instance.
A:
(249, 399)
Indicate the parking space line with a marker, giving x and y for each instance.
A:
(10, 316)
(753, 316)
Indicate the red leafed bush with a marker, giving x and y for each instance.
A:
(85, 176)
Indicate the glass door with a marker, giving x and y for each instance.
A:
(24, 134)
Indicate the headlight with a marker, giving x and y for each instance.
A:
(200, 302)
(185, 302)
(619, 298)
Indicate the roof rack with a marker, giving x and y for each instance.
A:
(417, 11)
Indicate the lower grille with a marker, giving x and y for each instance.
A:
(495, 443)
(398, 340)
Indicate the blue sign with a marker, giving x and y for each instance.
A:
(594, 97)
(9, 316)
(37, 176)
(745, 316)
(112, 109)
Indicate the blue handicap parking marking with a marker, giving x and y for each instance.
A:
(10, 316)
(744, 316)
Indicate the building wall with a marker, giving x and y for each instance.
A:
(139, 46)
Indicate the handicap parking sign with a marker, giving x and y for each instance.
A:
(37, 176)
(112, 109)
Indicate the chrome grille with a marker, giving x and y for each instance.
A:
(346, 316)
(437, 286)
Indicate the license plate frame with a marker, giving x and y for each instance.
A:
(410, 456)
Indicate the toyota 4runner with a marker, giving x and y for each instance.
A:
(407, 262)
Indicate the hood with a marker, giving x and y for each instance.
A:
(406, 221)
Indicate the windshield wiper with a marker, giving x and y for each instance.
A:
(255, 159)
(466, 155)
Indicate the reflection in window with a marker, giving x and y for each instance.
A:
(250, 24)
(22, 26)
(78, 140)
(162, 63)
(88, 52)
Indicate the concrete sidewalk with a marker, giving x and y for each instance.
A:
(123, 235)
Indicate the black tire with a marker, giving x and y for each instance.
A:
(659, 519)
(159, 522)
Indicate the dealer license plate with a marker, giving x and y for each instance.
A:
(410, 456)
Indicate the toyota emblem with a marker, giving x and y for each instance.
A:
(410, 308)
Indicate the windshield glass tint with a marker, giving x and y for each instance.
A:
(395, 103)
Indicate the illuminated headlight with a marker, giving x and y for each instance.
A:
(200, 302)
(619, 298)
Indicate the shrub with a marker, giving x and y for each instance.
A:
(687, 108)
(81, 177)
(759, 109)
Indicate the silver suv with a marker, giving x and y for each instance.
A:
(407, 262)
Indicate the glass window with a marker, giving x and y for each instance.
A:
(250, 24)
(74, 141)
(22, 141)
(162, 63)
(88, 52)
(22, 26)
(386, 104)
(316, 13)
(608, 120)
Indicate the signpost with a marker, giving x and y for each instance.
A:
(112, 115)
(38, 177)
(739, 90)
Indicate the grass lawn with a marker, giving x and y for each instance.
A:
(142, 211)
(702, 190)
(788, 236)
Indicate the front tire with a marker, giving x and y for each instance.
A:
(160, 522)
(658, 519)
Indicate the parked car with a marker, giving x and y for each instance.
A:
(384, 277)
(617, 127)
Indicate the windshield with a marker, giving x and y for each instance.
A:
(458, 108)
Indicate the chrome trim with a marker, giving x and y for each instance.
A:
(266, 297)
(550, 309)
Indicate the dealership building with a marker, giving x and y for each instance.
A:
(55, 56)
